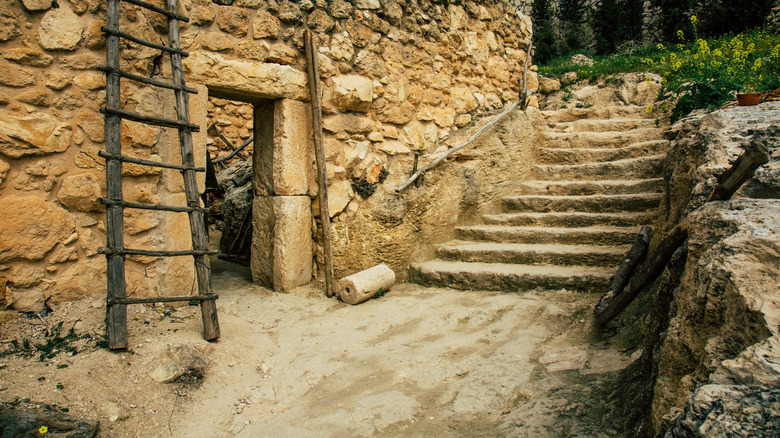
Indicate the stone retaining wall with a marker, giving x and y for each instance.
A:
(397, 76)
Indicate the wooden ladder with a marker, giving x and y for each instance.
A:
(115, 251)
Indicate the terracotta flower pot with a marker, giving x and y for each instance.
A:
(749, 99)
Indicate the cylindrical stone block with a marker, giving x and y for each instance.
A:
(356, 288)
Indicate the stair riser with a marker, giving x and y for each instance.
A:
(581, 156)
(573, 221)
(603, 140)
(639, 169)
(573, 114)
(508, 283)
(587, 125)
(581, 237)
(531, 258)
(584, 204)
(551, 188)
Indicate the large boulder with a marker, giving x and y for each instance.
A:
(31, 227)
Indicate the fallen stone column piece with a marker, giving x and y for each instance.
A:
(356, 288)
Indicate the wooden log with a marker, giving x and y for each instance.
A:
(143, 162)
(116, 316)
(235, 151)
(524, 91)
(151, 120)
(170, 299)
(635, 256)
(225, 140)
(112, 31)
(159, 10)
(199, 234)
(157, 207)
(649, 272)
(755, 155)
(322, 178)
(457, 148)
(156, 253)
(146, 80)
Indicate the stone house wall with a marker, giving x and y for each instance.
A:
(397, 77)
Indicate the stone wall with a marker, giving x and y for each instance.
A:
(397, 77)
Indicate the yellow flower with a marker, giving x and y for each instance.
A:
(681, 35)
(43, 429)
(661, 46)
(693, 20)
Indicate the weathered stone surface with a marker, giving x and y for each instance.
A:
(24, 275)
(90, 240)
(368, 4)
(9, 27)
(16, 76)
(202, 15)
(443, 117)
(320, 21)
(81, 192)
(359, 33)
(216, 41)
(286, 169)
(175, 360)
(289, 12)
(341, 48)
(370, 64)
(281, 53)
(549, 84)
(639, 88)
(31, 227)
(37, 5)
(92, 125)
(392, 112)
(351, 93)
(234, 21)
(4, 168)
(139, 135)
(60, 29)
(394, 148)
(28, 56)
(25, 300)
(352, 123)
(90, 80)
(262, 80)
(34, 96)
(339, 195)
(265, 25)
(57, 80)
(282, 246)
(340, 9)
(34, 134)
(462, 100)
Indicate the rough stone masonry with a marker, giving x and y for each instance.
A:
(398, 77)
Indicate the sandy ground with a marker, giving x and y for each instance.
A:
(415, 362)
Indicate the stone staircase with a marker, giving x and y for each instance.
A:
(597, 180)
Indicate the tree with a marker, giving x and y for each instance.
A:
(717, 17)
(606, 25)
(571, 14)
(544, 32)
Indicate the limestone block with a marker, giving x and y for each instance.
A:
(37, 5)
(90, 240)
(285, 162)
(394, 148)
(90, 80)
(549, 84)
(202, 15)
(216, 41)
(354, 152)
(92, 124)
(320, 21)
(281, 53)
(15, 76)
(368, 4)
(361, 286)
(282, 243)
(28, 56)
(81, 192)
(34, 134)
(458, 17)
(138, 221)
(262, 80)
(35, 96)
(339, 195)
(370, 64)
(174, 360)
(351, 93)
(476, 47)
(351, 123)
(25, 275)
(289, 12)
(4, 168)
(341, 48)
(141, 135)
(463, 120)
(9, 27)
(393, 112)
(340, 9)
(56, 80)
(31, 227)
(265, 25)
(60, 29)
(462, 100)
(26, 300)
(234, 21)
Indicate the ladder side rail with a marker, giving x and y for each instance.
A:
(116, 314)
(159, 10)
(197, 224)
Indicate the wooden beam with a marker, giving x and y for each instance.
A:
(316, 116)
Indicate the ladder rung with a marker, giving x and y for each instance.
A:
(149, 300)
(150, 120)
(127, 159)
(146, 80)
(129, 37)
(144, 252)
(158, 10)
(142, 206)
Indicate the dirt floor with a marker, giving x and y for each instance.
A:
(415, 362)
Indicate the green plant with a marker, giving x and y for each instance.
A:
(54, 344)
(380, 292)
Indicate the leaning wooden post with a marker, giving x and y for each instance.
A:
(316, 117)
(524, 91)
(116, 314)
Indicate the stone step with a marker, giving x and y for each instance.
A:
(579, 156)
(632, 168)
(608, 112)
(519, 253)
(583, 203)
(602, 125)
(599, 140)
(603, 187)
(510, 277)
(572, 219)
(595, 235)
